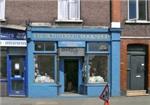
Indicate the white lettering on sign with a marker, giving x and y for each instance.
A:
(13, 43)
(60, 36)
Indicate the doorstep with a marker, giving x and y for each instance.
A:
(136, 93)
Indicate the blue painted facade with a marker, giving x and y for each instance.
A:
(111, 36)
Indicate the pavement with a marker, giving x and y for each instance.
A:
(122, 100)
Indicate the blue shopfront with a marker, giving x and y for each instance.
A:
(13, 62)
(68, 61)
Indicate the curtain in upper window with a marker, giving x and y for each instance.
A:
(68, 9)
(2, 9)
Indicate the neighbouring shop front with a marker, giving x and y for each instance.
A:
(72, 61)
(13, 62)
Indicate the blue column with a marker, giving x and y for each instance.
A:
(30, 65)
(115, 63)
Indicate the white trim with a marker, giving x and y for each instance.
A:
(13, 43)
(137, 21)
(40, 24)
(74, 21)
(18, 27)
(115, 25)
(135, 37)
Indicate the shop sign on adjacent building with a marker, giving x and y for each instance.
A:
(13, 43)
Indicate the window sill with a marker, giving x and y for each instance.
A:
(68, 21)
(137, 22)
(2, 20)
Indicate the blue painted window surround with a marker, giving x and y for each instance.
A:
(45, 62)
(96, 63)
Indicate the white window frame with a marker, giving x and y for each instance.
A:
(67, 16)
(2, 10)
(137, 12)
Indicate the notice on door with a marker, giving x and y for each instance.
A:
(17, 66)
(71, 51)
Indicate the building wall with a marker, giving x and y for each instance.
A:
(132, 30)
(93, 12)
(124, 44)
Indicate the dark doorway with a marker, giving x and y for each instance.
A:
(71, 75)
(137, 78)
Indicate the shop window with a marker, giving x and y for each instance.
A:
(2, 9)
(137, 10)
(97, 68)
(68, 10)
(97, 47)
(45, 46)
(3, 65)
(44, 68)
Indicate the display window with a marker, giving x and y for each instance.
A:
(45, 62)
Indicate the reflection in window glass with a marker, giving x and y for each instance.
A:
(39, 46)
(3, 64)
(49, 46)
(45, 46)
(98, 66)
(142, 10)
(44, 68)
(97, 46)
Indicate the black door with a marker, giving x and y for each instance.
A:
(136, 72)
(71, 75)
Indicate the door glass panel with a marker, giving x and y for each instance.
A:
(17, 68)
(17, 85)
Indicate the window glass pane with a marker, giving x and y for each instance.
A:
(44, 68)
(39, 46)
(3, 63)
(49, 46)
(132, 9)
(17, 85)
(142, 9)
(73, 9)
(62, 9)
(97, 46)
(98, 66)
(2, 9)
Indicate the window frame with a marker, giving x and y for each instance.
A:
(137, 11)
(108, 67)
(68, 19)
(44, 51)
(2, 10)
(97, 52)
(54, 53)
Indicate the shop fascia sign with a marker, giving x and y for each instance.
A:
(13, 43)
(72, 36)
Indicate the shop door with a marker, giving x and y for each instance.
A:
(16, 78)
(71, 75)
(136, 72)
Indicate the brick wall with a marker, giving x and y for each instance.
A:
(93, 12)
(124, 44)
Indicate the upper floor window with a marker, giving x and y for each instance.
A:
(2, 9)
(68, 10)
(137, 10)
